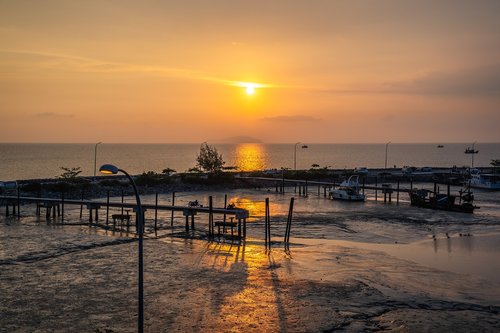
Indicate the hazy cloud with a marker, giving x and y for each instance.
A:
(54, 115)
(480, 81)
(290, 119)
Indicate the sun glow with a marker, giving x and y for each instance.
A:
(250, 87)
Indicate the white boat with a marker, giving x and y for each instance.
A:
(348, 190)
(487, 181)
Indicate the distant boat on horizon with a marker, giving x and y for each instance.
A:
(440, 146)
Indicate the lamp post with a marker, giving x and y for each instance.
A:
(295, 155)
(386, 145)
(95, 156)
(111, 169)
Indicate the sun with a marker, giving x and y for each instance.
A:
(250, 89)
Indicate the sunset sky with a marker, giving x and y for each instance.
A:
(180, 71)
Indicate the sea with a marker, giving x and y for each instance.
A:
(19, 161)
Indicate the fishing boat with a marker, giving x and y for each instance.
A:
(487, 181)
(463, 202)
(348, 190)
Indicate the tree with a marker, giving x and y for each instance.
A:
(209, 159)
(70, 173)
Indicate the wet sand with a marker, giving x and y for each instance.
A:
(74, 279)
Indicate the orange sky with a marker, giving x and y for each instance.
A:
(171, 71)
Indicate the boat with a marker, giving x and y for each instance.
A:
(487, 181)
(348, 190)
(463, 202)
(471, 151)
(440, 146)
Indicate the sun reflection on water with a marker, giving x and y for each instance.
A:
(250, 157)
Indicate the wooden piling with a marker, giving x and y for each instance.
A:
(224, 217)
(211, 229)
(172, 216)
(107, 209)
(18, 203)
(397, 195)
(288, 224)
(156, 214)
(81, 206)
(62, 207)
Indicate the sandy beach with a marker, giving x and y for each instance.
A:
(73, 278)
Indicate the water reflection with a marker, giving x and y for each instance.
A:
(250, 157)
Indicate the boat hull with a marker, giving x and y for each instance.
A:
(440, 203)
(342, 195)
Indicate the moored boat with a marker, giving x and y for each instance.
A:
(348, 190)
(463, 202)
(487, 181)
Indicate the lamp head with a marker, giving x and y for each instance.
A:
(108, 169)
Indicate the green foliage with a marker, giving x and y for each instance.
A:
(209, 159)
(70, 173)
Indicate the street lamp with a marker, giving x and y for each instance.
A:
(95, 156)
(295, 155)
(111, 169)
(386, 145)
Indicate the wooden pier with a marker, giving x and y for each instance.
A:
(52, 206)
(304, 187)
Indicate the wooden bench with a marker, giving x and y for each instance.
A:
(225, 224)
(121, 217)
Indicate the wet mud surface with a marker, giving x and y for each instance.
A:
(76, 278)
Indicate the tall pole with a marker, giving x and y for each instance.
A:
(295, 157)
(473, 152)
(95, 157)
(140, 232)
(386, 146)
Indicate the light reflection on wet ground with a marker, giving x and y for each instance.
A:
(353, 266)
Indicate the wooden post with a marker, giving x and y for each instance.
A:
(319, 189)
(397, 195)
(173, 204)
(225, 205)
(376, 188)
(288, 223)
(211, 229)
(306, 190)
(363, 186)
(81, 206)
(266, 209)
(283, 181)
(187, 223)
(156, 215)
(107, 209)
(62, 207)
(18, 203)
